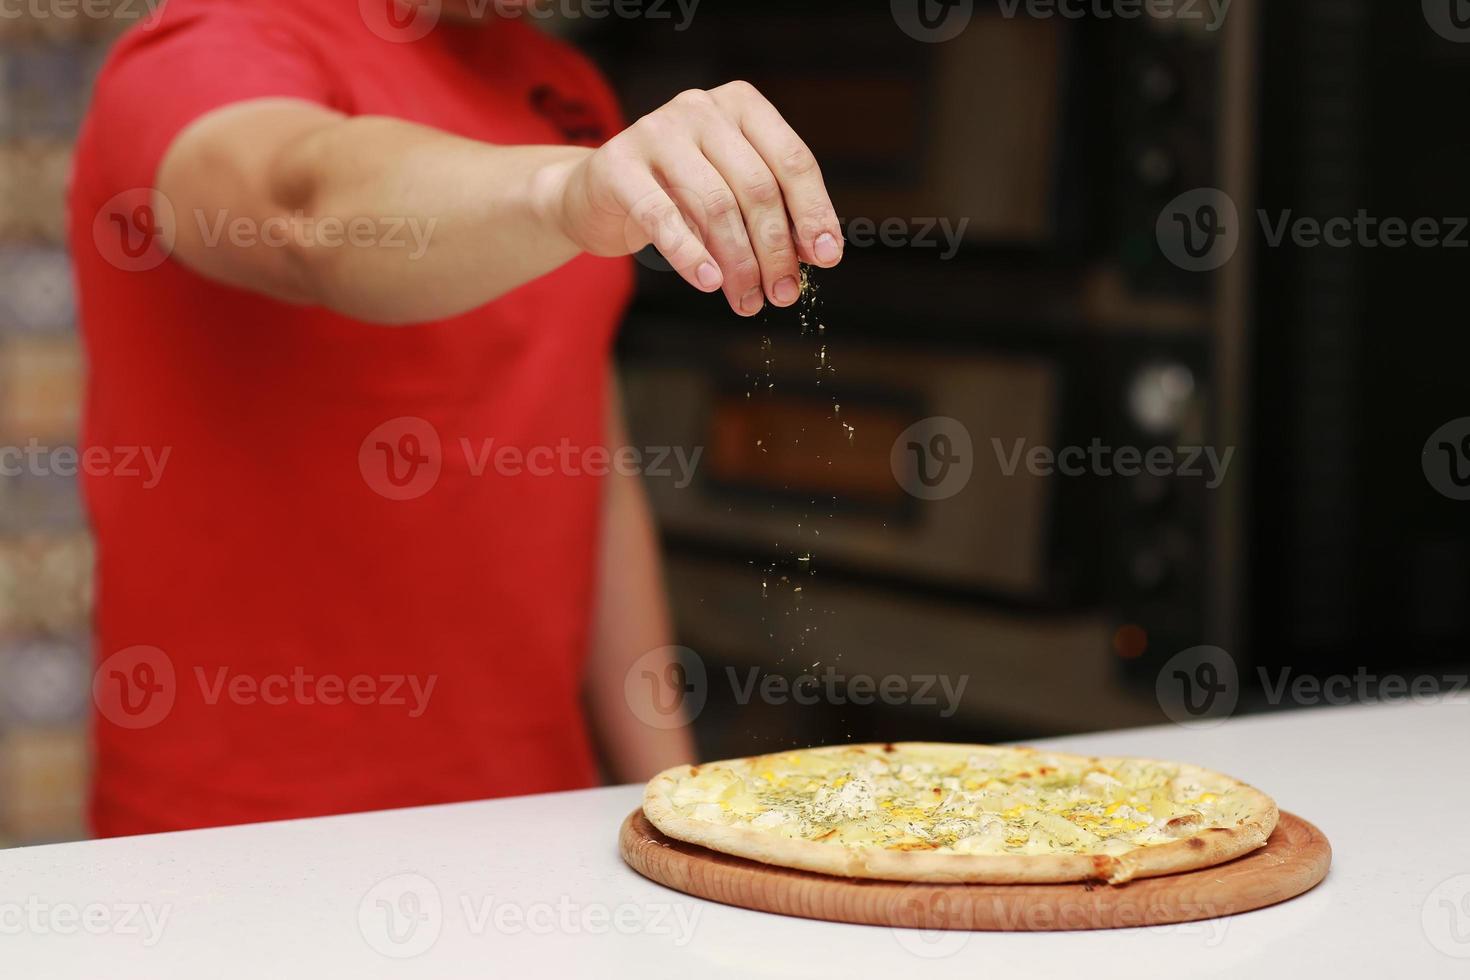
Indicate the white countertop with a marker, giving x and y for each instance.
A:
(533, 887)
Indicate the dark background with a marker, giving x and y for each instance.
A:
(1327, 551)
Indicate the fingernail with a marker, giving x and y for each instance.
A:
(752, 301)
(709, 276)
(786, 291)
(827, 250)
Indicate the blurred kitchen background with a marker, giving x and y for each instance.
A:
(1021, 168)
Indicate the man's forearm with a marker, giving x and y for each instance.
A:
(717, 181)
(484, 218)
(447, 223)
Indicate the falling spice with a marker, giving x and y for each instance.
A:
(791, 562)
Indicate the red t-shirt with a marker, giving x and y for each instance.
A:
(340, 592)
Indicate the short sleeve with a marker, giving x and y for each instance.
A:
(159, 80)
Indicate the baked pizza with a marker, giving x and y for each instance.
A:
(917, 811)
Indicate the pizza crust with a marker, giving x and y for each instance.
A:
(1201, 848)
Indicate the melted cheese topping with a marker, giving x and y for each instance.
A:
(959, 800)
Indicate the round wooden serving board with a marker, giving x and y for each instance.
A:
(1293, 861)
